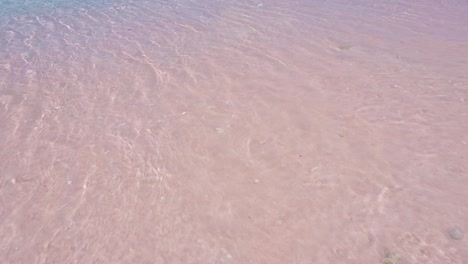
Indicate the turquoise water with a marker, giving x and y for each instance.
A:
(13, 8)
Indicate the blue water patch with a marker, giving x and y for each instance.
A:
(186, 8)
(18, 7)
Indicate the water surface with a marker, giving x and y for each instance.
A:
(233, 131)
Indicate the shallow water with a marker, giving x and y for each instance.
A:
(233, 131)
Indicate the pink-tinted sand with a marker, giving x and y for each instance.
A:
(234, 132)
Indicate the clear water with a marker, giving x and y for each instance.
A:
(233, 131)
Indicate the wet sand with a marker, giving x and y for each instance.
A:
(234, 131)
